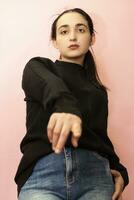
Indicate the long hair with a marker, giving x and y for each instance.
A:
(89, 62)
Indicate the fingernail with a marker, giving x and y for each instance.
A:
(57, 151)
(75, 144)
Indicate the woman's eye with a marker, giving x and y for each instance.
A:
(63, 32)
(81, 30)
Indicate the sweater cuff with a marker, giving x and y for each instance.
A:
(123, 171)
(66, 103)
(125, 177)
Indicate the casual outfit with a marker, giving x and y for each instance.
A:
(80, 173)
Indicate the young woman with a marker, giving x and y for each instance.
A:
(67, 153)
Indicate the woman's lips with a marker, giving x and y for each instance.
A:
(74, 46)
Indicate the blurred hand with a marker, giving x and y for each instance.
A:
(119, 184)
(59, 127)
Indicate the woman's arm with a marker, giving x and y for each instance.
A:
(42, 85)
(114, 160)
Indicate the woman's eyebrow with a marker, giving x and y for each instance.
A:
(77, 25)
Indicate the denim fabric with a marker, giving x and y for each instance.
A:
(74, 174)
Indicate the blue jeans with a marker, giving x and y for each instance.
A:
(74, 174)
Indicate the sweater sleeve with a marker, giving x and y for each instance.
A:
(42, 85)
(114, 160)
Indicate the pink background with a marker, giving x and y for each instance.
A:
(24, 33)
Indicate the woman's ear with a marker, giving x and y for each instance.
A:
(92, 39)
(54, 44)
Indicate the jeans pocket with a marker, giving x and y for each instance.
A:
(106, 163)
(100, 157)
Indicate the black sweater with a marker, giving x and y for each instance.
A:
(62, 86)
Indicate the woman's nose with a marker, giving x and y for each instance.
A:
(72, 35)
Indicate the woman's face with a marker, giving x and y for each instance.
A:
(72, 29)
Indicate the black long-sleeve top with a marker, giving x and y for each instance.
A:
(62, 86)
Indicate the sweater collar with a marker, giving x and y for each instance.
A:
(71, 71)
(69, 65)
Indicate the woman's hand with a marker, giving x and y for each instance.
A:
(59, 127)
(119, 184)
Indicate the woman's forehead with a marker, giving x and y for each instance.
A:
(71, 19)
